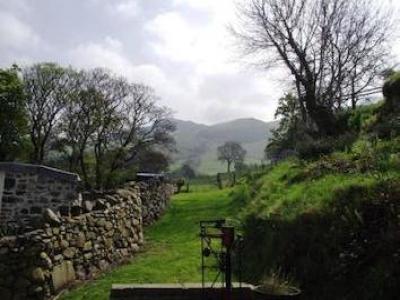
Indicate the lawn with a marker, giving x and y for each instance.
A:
(171, 253)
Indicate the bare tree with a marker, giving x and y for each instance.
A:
(231, 152)
(115, 121)
(79, 121)
(143, 126)
(47, 87)
(332, 48)
(110, 92)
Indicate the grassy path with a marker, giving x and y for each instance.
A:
(172, 245)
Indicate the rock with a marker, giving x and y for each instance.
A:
(101, 204)
(91, 235)
(35, 290)
(69, 253)
(64, 244)
(101, 223)
(45, 260)
(49, 231)
(108, 225)
(76, 210)
(80, 240)
(50, 217)
(135, 248)
(88, 206)
(109, 243)
(62, 275)
(87, 246)
(103, 265)
(37, 275)
(58, 258)
(88, 255)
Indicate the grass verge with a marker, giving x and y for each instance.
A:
(171, 253)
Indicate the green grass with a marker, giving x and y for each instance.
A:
(310, 220)
(277, 196)
(172, 246)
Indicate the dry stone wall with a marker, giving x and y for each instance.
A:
(155, 197)
(37, 264)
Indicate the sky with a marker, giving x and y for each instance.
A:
(182, 48)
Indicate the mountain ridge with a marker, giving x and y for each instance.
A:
(197, 143)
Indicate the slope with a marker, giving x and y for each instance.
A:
(197, 144)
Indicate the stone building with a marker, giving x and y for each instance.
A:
(26, 190)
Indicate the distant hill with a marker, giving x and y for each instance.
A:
(197, 143)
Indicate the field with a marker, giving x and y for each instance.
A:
(171, 253)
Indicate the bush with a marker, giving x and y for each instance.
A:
(391, 91)
(340, 251)
(309, 148)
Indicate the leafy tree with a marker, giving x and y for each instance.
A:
(152, 161)
(187, 171)
(231, 152)
(79, 124)
(290, 128)
(117, 124)
(12, 114)
(95, 123)
(144, 126)
(47, 88)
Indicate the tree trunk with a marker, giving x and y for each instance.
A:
(322, 116)
(98, 168)
(84, 171)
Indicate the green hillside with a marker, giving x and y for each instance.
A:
(197, 143)
(330, 224)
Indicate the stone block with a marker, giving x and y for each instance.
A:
(50, 217)
(87, 246)
(37, 275)
(62, 275)
(9, 183)
(69, 252)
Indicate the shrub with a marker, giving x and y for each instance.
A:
(391, 91)
(340, 251)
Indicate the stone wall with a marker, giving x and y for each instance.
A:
(155, 196)
(29, 189)
(37, 264)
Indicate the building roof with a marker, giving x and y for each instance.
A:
(147, 176)
(15, 167)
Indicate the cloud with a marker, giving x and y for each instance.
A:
(202, 44)
(126, 9)
(182, 48)
(15, 33)
(109, 54)
(106, 55)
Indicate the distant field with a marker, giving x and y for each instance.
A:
(172, 246)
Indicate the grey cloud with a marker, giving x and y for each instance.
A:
(115, 34)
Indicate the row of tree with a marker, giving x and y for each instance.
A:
(90, 122)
